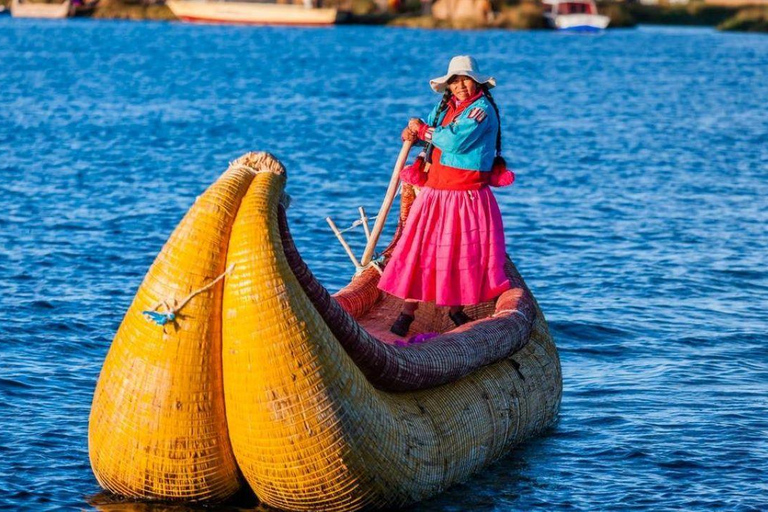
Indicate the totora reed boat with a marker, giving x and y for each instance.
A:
(234, 367)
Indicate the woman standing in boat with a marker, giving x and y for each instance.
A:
(452, 249)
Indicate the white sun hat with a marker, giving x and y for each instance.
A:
(463, 65)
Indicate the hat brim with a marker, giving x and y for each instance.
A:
(439, 84)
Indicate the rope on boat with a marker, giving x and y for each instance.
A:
(357, 223)
(362, 221)
(374, 263)
(169, 313)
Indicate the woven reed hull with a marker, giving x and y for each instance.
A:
(309, 430)
(308, 420)
(157, 428)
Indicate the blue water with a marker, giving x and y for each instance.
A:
(638, 219)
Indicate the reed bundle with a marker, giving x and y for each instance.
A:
(322, 412)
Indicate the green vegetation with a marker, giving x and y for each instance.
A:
(750, 19)
(618, 13)
(694, 13)
(746, 19)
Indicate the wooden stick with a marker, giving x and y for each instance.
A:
(343, 242)
(378, 227)
(364, 219)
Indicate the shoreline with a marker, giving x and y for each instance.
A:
(742, 18)
(133, 12)
(521, 16)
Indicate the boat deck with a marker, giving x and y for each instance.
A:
(429, 318)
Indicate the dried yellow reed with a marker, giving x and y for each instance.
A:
(157, 427)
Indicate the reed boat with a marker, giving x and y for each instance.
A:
(234, 367)
(26, 9)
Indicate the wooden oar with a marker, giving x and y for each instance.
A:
(378, 227)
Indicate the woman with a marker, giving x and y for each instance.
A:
(452, 248)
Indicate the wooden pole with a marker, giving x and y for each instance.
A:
(343, 242)
(364, 220)
(378, 226)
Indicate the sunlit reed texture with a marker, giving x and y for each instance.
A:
(309, 431)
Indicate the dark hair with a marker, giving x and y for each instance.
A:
(487, 93)
(442, 107)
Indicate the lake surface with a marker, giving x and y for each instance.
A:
(639, 219)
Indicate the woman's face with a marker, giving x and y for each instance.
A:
(462, 87)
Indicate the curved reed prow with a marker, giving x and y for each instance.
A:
(157, 428)
(311, 420)
(309, 429)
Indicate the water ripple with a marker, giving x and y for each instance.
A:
(638, 219)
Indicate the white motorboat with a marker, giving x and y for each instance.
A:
(574, 15)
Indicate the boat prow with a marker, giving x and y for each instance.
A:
(322, 413)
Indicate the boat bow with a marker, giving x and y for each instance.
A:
(262, 373)
(309, 428)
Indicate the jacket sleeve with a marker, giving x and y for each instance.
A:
(459, 135)
(430, 121)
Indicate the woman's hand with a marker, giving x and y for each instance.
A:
(409, 135)
(414, 124)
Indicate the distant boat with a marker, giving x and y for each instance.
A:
(36, 10)
(253, 13)
(574, 15)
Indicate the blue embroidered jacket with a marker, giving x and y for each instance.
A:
(469, 142)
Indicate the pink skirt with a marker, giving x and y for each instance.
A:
(452, 250)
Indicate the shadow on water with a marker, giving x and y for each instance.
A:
(243, 501)
(501, 484)
(506, 479)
